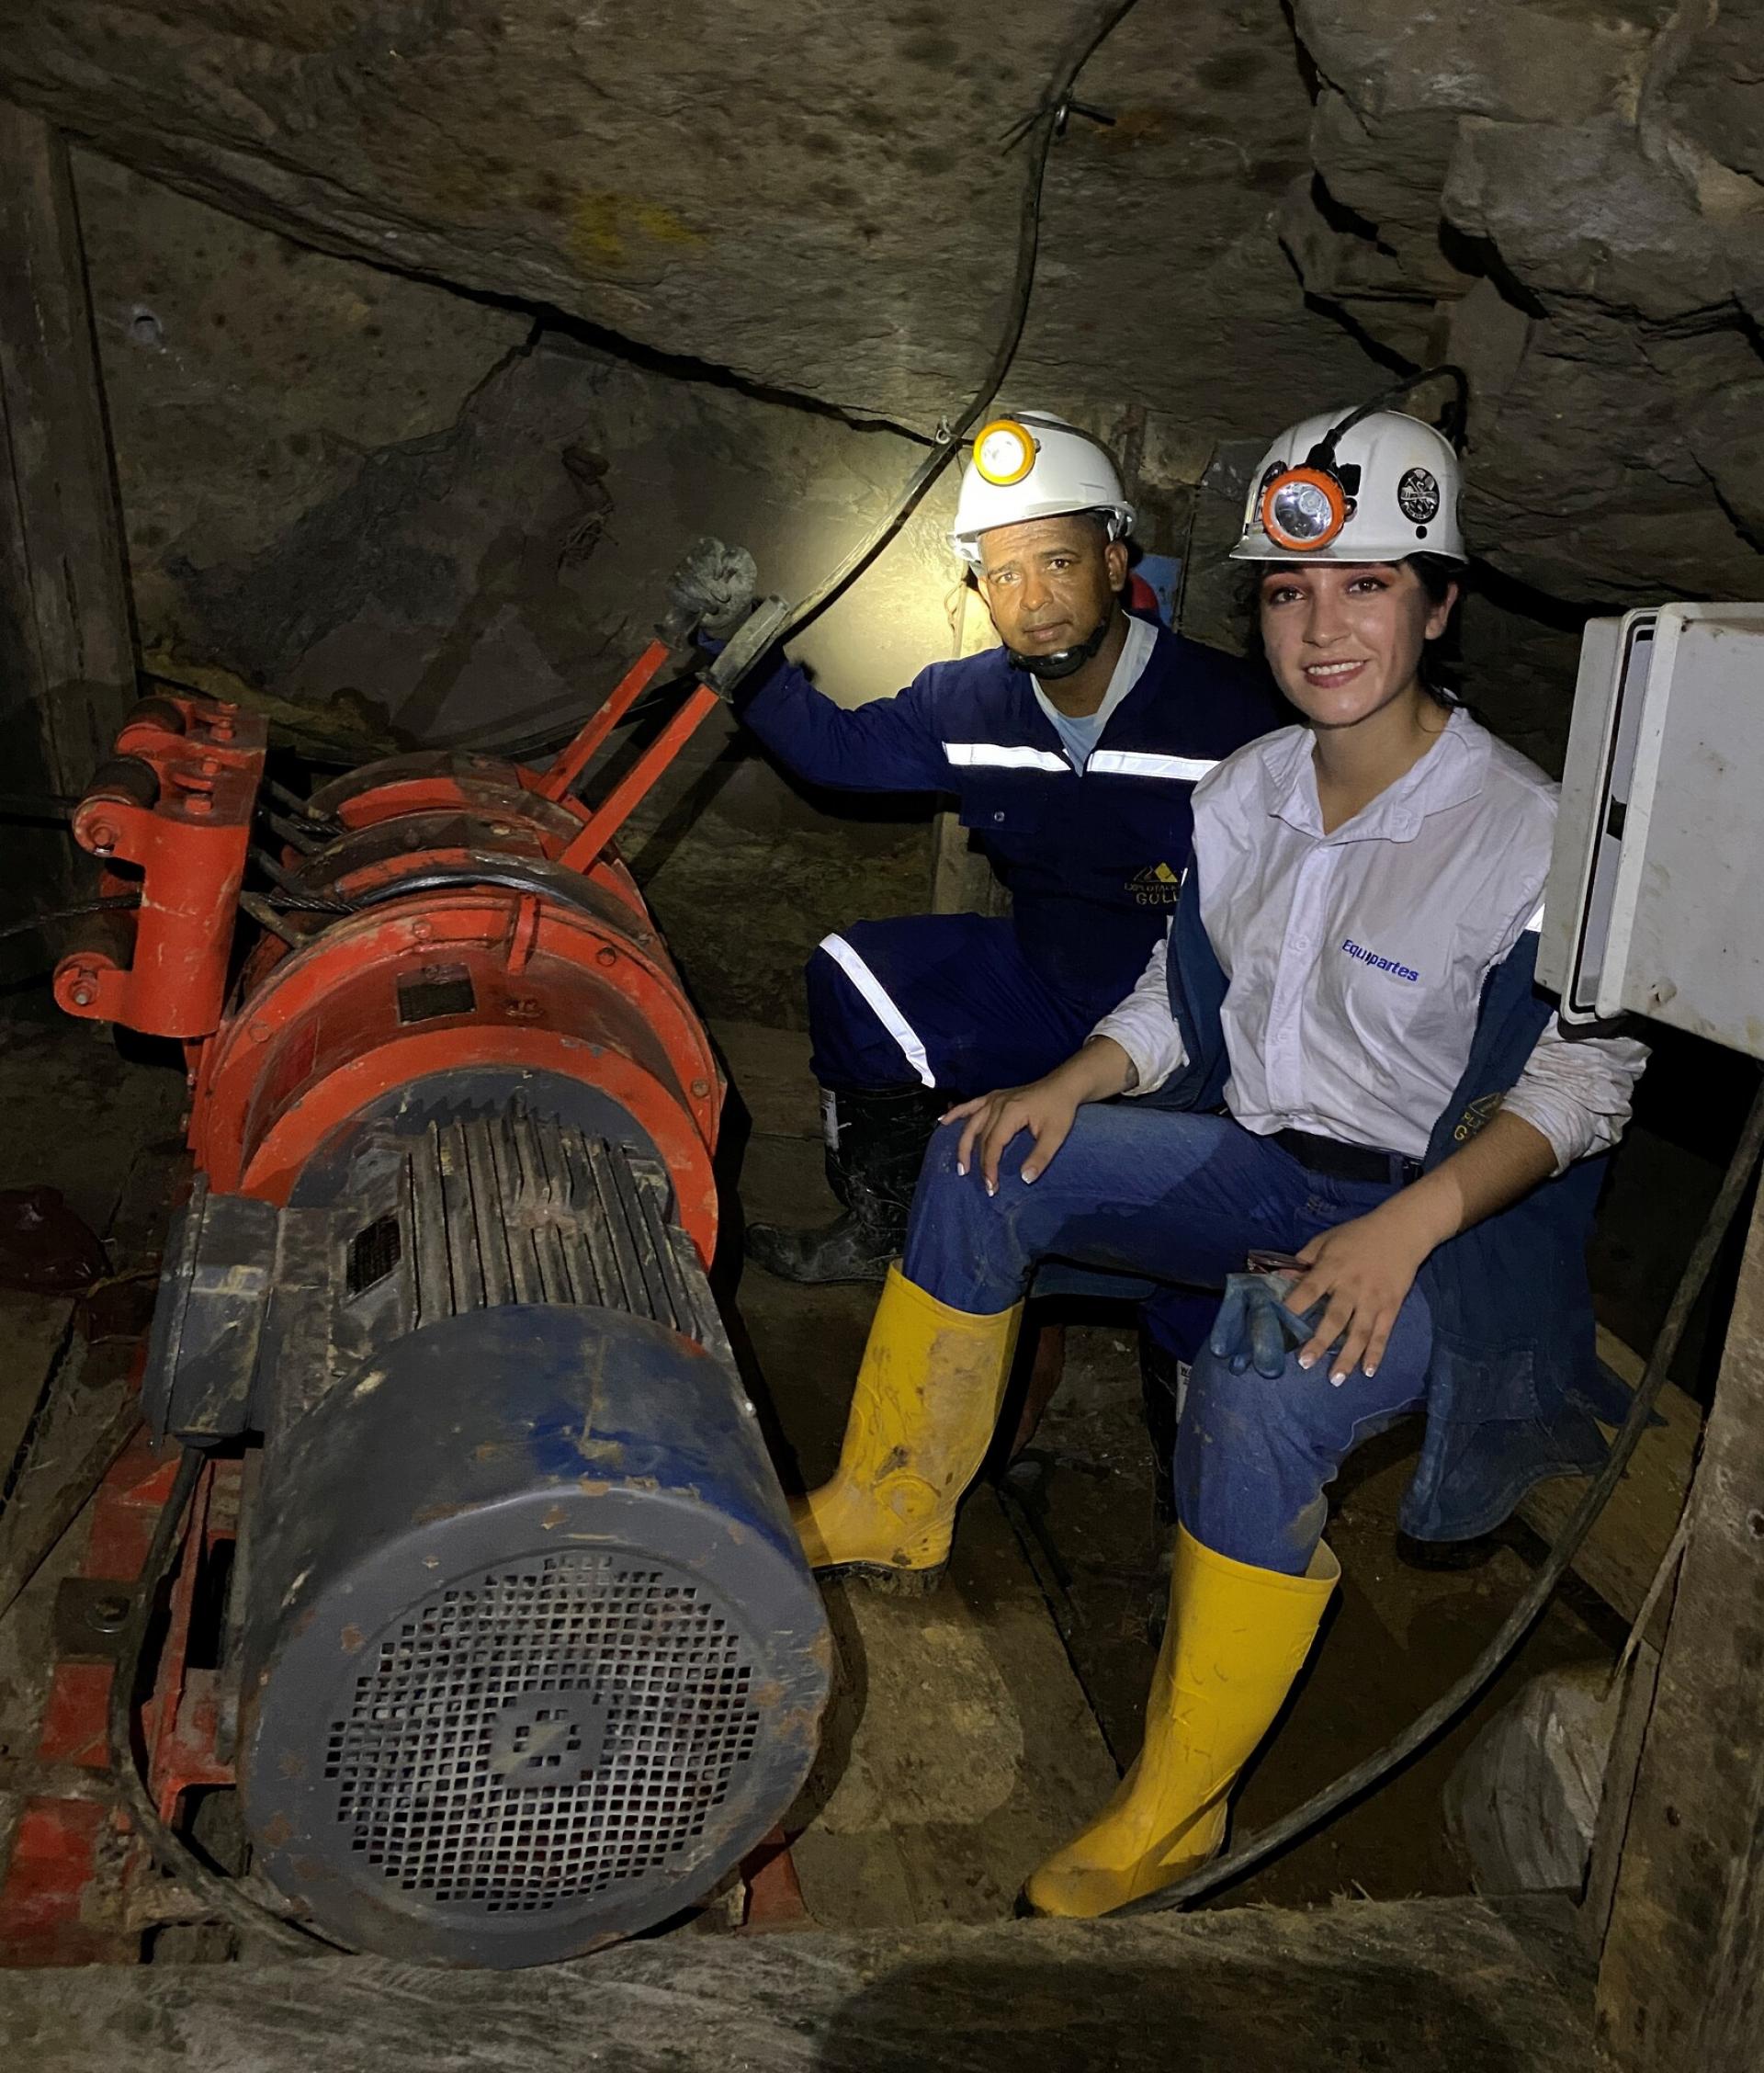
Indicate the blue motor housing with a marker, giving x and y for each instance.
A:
(530, 1659)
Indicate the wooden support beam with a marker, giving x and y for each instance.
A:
(1619, 1557)
(962, 881)
(66, 636)
(1681, 1981)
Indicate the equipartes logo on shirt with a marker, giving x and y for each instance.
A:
(1156, 886)
(1379, 964)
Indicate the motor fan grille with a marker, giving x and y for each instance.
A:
(564, 1724)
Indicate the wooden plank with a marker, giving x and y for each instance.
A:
(67, 671)
(63, 570)
(1682, 1980)
(1427, 1985)
(1622, 1553)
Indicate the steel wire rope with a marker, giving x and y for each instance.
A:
(111, 902)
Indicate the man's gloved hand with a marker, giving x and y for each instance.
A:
(712, 588)
(1254, 1328)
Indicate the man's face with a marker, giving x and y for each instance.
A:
(1050, 583)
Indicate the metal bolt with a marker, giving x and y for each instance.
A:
(606, 956)
(103, 835)
(108, 1615)
(83, 993)
(198, 803)
(422, 930)
(700, 1088)
(210, 766)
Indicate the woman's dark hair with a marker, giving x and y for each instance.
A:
(1440, 669)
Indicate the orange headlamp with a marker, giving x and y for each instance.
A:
(1304, 508)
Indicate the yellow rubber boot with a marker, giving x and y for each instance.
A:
(1235, 1639)
(921, 1419)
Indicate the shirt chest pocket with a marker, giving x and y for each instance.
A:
(1020, 804)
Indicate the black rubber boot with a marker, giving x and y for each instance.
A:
(876, 1142)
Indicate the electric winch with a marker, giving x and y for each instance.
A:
(519, 1650)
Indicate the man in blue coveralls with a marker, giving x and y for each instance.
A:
(1071, 750)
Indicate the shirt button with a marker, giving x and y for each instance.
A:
(997, 817)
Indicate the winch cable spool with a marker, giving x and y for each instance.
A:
(1428, 1726)
(1039, 131)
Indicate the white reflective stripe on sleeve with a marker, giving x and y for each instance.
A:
(884, 1009)
(1130, 763)
(1001, 756)
(1536, 922)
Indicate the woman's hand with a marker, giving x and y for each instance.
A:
(1045, 1108)
(1361, 1272)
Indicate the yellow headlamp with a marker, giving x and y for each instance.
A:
(1004, 452)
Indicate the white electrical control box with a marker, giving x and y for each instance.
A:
(1655, 899)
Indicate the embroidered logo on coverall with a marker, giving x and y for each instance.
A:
(1156, 886)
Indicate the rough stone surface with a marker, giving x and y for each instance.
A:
(443, 514)
(249, 378)
(1564, 197)
(832, 214)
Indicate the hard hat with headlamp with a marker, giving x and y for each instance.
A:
(1034, 466)
(1365, 484)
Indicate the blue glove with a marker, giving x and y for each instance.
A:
(1254, 1328)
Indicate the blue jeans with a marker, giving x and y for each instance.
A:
(1183, 1198)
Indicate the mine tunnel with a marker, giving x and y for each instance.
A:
(605, 615)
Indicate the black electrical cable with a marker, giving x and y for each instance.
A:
(1323, 453)
(112, 902)
(217, 1892)
(1444, 1710)
(1039, 131)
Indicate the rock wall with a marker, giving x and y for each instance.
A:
(1567, 195)
(440, 328)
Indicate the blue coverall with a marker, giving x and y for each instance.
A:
(1091, 858)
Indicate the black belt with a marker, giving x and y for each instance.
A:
(1339, 1162)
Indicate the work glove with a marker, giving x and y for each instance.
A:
(712, 588)
(1254, 1328)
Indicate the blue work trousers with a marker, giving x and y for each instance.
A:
(947, 1000)
(1183, 1198)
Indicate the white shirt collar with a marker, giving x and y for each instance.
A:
(1449, 773)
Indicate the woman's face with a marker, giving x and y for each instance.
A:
(1344, 639)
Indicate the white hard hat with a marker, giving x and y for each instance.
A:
(1348, 486)
(1034, 466)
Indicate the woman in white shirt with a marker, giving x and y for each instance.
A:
(1337, 1056)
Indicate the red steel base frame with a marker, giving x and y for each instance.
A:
(78, 1888)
